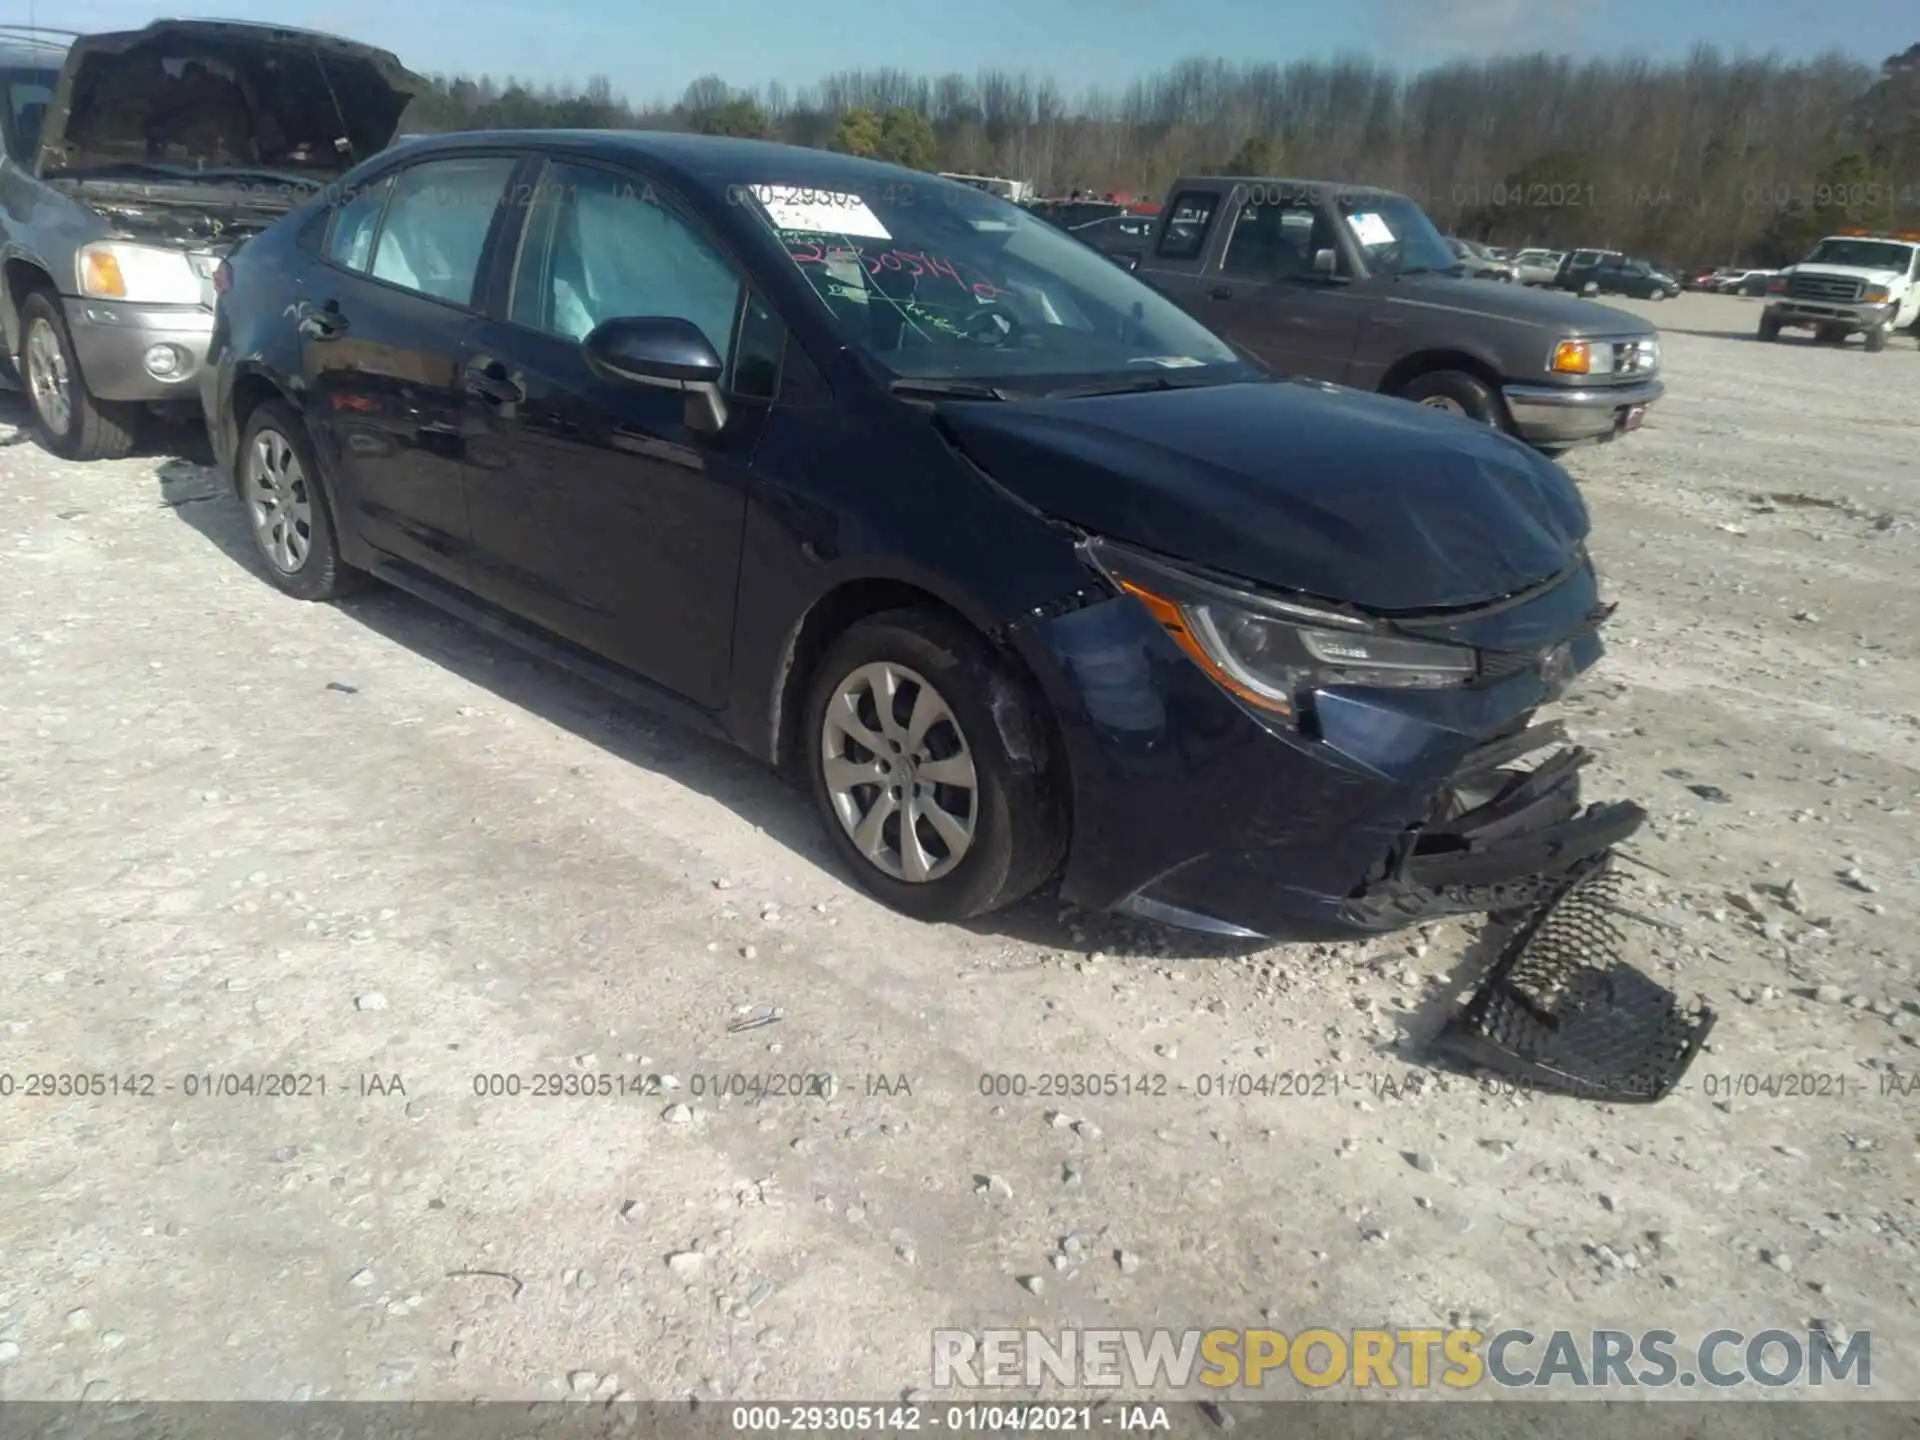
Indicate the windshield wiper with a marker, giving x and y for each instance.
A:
(948, 389)
(1127, 385)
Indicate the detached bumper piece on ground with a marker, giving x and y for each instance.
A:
(1562, 1011)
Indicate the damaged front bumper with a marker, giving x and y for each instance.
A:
(1390, 807)
(1500, 838)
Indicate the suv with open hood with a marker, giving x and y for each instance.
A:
(156, 152)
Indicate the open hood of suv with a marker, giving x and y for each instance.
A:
(191, 95)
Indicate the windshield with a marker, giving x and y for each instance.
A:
(1396, 236)
(1866, 254)
(934, 281)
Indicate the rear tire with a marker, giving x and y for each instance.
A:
(289, 512)
(68, 420)
(1001, 826)
(1458, 392)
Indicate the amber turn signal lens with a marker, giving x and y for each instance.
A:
(100, 275)
(1573, 357)
(1174, 622)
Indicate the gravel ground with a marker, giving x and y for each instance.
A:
(243, 834)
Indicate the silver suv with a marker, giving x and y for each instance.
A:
(134, 162)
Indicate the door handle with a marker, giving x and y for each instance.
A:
(1220, 292)
(326, 323)
(488, 380)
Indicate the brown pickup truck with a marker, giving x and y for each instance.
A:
(1355, 286)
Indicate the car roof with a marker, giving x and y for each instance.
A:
(711, 162)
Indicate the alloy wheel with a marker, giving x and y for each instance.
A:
(1446, 403)
(47, 378)
(279, 501)
(899, 772)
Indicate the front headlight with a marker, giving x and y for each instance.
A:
(145, 274)
(1876, 294)
(1271, 654)
(1582, 357)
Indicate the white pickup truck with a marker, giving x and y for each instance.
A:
(1849, 284)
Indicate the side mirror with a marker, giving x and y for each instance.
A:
(664, 352)
(1325, 262)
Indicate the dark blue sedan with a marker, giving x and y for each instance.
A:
(1026, 573)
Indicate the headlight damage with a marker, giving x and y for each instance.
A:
(1494, 836)
(1271, 653)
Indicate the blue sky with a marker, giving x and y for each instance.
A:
(651, 50)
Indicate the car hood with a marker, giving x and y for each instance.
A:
(1852, 272)
(1547, 309)
(1306, 487)
(341, 100)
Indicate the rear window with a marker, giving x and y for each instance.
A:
(1188, 219)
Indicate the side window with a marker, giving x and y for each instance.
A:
(756, 355)
(600, 245)
(355, 217)
(28, 94)
(1274, 242)
(436, 225)
(1188, 219)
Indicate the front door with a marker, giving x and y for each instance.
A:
(597, 511)
(384, 332)
(1269, 298)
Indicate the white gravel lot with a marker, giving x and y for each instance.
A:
(243, 834)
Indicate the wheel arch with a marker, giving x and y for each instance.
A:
(852, 597)
(20, 276)
(252, 388)
(1425, 362)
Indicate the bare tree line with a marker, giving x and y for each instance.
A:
(1713, 158)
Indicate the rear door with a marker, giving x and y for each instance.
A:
(385, 328)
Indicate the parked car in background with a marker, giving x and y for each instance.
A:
(160, 149)
(1355, 285)
(1478, 261)
(1743, 282)
(1639, 279)
(1223, 651)
(1579, 270)
(1699, 279)
(1854, 283)
(1537, 267)
(1071, 214)
(1124, 237)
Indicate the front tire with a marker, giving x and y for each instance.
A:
(912, 775)
(1769, 328)
(1458, 393)
(67, 420)
(288, 510)
(1876, 339)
